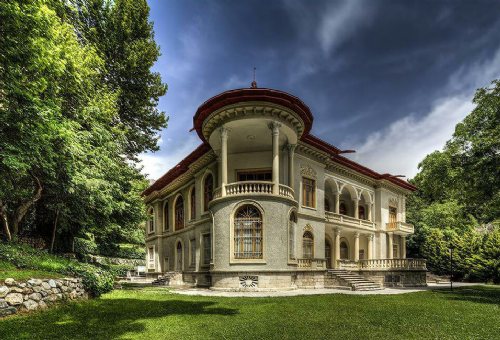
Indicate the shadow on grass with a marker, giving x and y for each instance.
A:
(477, 294)
(102, 318)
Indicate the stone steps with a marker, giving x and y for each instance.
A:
(353, 280)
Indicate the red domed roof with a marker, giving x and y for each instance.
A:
(252, 94)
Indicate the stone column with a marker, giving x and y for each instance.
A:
(370, 247)
(356, 247)
(356, 208)
(275, 126)
(223, 139)
(337, 202)
(291, 170)
(403, 247)
(390, 254)
(337, 248)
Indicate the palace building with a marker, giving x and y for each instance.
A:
(264, 204)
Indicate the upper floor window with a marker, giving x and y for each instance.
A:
(192, 203)
(166, 217)
(342, 208)
(208, 189)
(248, 233)
(393, 215)
(308, 245)
(308, 192)
(179, 213)
(327, 204)
(361, 213)
(151, 220)
(255, 175)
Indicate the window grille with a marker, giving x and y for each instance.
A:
(248, 233)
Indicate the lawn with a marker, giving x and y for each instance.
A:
(155, 313)
(7, 270)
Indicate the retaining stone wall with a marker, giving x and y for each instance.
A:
(36, 294)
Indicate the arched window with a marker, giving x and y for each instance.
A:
(328, 254)
(344, 251)
(248, 233)
(308, 245)
(192, 202)
(151, 220)
(166, 217)
(327, 204)
(292, 222)
(208, 189)
(361, 213)
(178, 255)
(179, 213)
(342, 208)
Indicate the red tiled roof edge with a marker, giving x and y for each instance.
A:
(177, 170)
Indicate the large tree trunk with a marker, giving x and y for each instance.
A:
(52, 241)
(24, 207)
(5, 222)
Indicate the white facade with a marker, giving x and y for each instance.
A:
(284, 206)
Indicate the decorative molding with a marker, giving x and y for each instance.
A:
(394, 202)
(248, 281)
(308, 227)
(308, 171)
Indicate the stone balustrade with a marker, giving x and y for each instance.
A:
(312, 264)
(246, 188)
(400, 227)
(384, 264)
(348, 221)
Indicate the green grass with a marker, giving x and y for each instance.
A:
(467, 313)
(9, 270)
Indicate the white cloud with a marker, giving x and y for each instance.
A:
(157, 164)
(340, 21)
(402, 145)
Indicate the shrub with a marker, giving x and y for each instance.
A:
(84, 247)
(96, 280)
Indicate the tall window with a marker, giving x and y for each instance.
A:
(192, 249)
(393, 216)
(361, 213)
(342, 208)
(291, 235)
(178, 257)
(328, 254)
(208, 191)
(166, 217)
(308, 192)
(248, 233)
(151, 220)
(179, 213)
(344, 251)
(207, 249)
(308, 245)
(327, 204)
(192, 202)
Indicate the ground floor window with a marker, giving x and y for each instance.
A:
(192, 248)
(248, 233)
(178, 262)
(207, 249)
(328, 254)
(291, 235)
(308, 245)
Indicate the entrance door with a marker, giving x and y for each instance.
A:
(328, 255)
(178, 265)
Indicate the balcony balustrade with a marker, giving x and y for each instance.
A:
(349, 221)
(247, 188)
(400, 227)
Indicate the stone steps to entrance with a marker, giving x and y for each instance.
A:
(353, 280)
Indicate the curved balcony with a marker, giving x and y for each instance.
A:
(349, 221)
(257, 188)
(400, 228)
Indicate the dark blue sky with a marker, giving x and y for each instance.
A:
(387, 78)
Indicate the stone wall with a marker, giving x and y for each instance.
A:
(36, 294)
(397, 278)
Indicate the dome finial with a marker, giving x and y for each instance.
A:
(254, 83)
